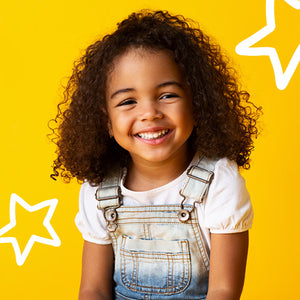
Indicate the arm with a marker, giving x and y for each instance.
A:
(97, 272)
(227, 266)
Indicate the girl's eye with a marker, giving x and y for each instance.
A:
(127, 102)
(168, 96)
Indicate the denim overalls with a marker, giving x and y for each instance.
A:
(159, 249)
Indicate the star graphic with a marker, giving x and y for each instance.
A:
(55, 241)
(245, 47)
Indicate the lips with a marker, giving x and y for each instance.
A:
(153, 135)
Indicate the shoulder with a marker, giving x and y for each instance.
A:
(87, 200)
(226, 165)
(87, 191)
(224, 169)
(89, 220)
(227, 206)
(227, 175)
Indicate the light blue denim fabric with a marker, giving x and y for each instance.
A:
(157, 256)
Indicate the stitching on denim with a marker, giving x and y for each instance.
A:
(148, 215)
(200, 246)
(151, 220)
(145, 256)
(151, 207)
(142, 218)
(136, 257)
(140, 232)
(143, 209)
(170, 269)
(147, 231)
(135, 286)
(135, 268)
(114, 240)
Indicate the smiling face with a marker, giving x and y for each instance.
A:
(149, 106)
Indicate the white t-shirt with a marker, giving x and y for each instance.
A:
(226, 209)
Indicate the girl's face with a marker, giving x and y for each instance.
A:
(149, 106)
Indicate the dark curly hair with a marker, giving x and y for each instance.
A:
(225, 119)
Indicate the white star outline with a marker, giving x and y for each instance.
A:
(55, 241)
(244, 48)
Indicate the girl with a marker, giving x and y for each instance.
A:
(155, 127)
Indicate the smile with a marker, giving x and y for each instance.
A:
(153, 135)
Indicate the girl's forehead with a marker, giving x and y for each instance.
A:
(144, 60)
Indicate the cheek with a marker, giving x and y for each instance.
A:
(188, 122)
(186, 114)
(120, 123)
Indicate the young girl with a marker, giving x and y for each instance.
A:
(156, 127)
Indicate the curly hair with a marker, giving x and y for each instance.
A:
(225, 119)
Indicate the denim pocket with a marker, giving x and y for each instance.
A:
(155, 266)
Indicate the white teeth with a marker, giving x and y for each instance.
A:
(153, 135)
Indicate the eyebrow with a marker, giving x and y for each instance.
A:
(121, 91)
(170, 83)
(167, 83)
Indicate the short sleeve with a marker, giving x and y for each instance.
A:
(227, 208)
(89, 220)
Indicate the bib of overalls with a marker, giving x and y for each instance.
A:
(159, 249)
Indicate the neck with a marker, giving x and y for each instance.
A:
(143, 176)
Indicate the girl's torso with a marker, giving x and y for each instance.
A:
(159, 250)
(226, 209)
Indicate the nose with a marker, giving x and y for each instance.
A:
(149, 111)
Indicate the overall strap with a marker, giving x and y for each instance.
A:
(200, 177)
(108, 195)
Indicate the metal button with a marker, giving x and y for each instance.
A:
(183, 215)
(111, 215)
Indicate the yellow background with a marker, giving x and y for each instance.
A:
(39, 42)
